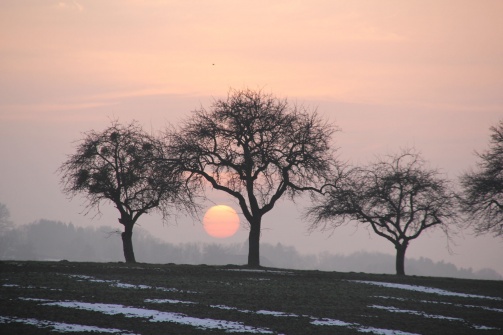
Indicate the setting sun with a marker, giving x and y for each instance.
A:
(221, 221)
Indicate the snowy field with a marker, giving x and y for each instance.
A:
(83, 298)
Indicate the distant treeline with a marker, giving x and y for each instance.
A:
(51, 240)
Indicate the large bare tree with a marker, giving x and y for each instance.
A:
(125, 166)
(397, 196)
(482, 189)
(256, 148)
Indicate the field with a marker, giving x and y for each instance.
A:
(117, 298)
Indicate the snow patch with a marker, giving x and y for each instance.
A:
(32, 287)
(261, 312)
(409, 311)
(492, 309)
(380, 331)
(63, 327)
(357, 327)
(425, 289)
(160, 316)
(116, 283)
(331, 322)
(484, 328)
(261, 271)
(321, 322)
(426, 315)
(168, 301)
(227, 326)
(138, 287)
(277, 314)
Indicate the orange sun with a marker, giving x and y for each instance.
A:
(221, 221)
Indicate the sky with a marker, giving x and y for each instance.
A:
(390, 74)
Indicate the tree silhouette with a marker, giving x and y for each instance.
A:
(482, 190)
(5, 223)
(257, 148)
(398, 197)
(127, 167)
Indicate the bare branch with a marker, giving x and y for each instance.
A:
(482, 196)
(398, 196)
(257, 148)
(129, 168)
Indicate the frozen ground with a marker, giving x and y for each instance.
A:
(149, 313)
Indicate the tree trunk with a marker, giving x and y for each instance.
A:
(400, 258)
(254, 244)
(127, 242)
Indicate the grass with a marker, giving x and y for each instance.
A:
(117, 298)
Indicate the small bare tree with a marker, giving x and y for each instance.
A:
(482, 190)
(129, 168)
(256, 148)
(398, 197)
(5, 222)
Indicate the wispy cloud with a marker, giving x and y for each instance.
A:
(72, 5)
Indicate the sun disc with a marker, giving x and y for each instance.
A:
(221, 221)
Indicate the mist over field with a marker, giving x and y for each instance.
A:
(52, 240)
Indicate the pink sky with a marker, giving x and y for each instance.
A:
(398, 73)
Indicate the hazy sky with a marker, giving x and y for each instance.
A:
(390, 74)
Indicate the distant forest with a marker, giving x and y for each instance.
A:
(51, 240)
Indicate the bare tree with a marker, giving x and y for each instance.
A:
(5, 222)
(127, 167)
(482, 190)
(257, 148)
(398, 197)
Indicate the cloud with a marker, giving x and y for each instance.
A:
(71, 5)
